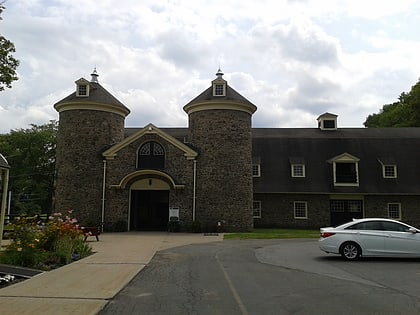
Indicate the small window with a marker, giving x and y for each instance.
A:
(82, 90)
(151, 155)
(298, 170)
(300, 210)
(219, 89)
(329, 124)
(256, 209)
(256, 170)
(389, 171)
(394, 211)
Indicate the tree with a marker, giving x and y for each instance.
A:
(404, 113)
(31, 155)
(8, 64)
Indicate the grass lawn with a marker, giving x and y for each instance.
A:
(273, 233)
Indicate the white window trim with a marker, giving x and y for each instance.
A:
(399, 210)
(259, 208)
(345, 158)
(356, 184)
(384, 173)
(294, 173)
(79, 83)
(224, 88)
(258, 170)
(306, 210)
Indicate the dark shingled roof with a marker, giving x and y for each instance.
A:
(276, 148)
(3, 162)
(97, 94)
(231, 96)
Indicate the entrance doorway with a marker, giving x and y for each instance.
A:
(343, 211)
(149, 210)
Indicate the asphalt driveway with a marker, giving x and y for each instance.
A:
(269, 277)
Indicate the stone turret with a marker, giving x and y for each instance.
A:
(90, 120)
(220, 128)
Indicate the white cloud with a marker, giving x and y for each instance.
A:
(293, 59)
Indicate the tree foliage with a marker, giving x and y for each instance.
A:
(8, 64)
(404, 113)
(31, 155)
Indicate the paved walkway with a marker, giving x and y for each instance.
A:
(84, 287)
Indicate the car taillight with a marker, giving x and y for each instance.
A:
(326, 234)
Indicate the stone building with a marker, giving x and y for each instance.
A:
(221, 173)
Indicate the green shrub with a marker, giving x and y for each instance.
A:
(45, 246)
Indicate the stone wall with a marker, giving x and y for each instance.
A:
(277, 211)
(82, 136)
(224, 168)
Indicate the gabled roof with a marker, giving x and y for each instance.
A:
(98, 99)
(3, 162)
(189, 153)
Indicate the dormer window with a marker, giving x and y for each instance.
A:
(389, 168)
(297, 166)
(328, 124)
(327, 121)
(82, 88)
(345, 170)
(219, 85)
(219, 90)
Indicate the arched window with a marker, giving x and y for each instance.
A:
(151, 155)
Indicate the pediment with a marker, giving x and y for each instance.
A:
(344, 157)
(150, 129)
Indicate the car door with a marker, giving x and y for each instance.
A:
(370, 236)
(400, 241)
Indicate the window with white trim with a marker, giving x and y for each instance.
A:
(389, 171)
(298, 170)
(345, 170)
(219, 90)
(256, 170)
(256, 209)
(300, 209)
(394, 210)
(82, 90)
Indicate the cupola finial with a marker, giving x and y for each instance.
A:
(95, 76)
(219, 73)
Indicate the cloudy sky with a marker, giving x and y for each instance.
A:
(294, 59)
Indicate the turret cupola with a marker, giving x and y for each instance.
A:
(219, 84)
(327, 121)
(220, 96)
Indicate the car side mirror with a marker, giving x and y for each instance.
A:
(412, 230)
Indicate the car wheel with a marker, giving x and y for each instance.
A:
(350, 251)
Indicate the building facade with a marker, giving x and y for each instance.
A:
(222, 174)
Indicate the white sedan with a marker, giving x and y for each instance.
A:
(371, 237)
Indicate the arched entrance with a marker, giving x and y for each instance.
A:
(149, 205)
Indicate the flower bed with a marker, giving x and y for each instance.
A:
(45, 246)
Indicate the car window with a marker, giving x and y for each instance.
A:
(396, 227)
(369, 225)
